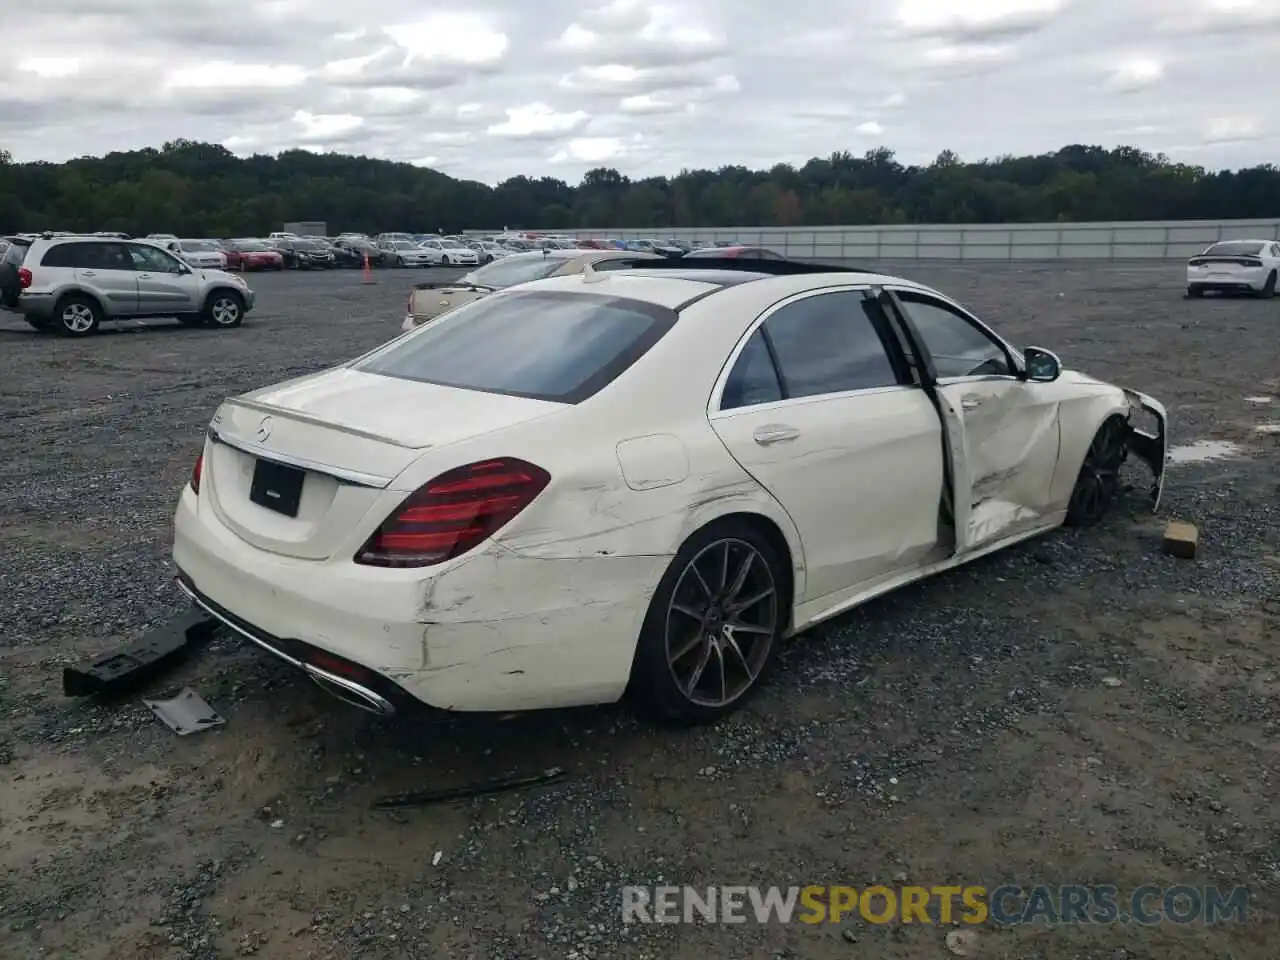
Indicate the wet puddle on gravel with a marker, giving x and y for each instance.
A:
(1267, 428)
(1202, 450)
(1258, 401)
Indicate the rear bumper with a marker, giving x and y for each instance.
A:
(1236, 281)
(38, 305)
(372, 695)
(493, 631)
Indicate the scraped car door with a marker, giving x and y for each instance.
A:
(815, 410)
(1009, 426)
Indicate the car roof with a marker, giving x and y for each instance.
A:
(669, 284)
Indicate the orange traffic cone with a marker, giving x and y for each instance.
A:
(368, 271)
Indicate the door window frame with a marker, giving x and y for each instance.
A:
(882, 329)
(1013, 356)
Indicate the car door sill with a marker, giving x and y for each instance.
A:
(813, 612)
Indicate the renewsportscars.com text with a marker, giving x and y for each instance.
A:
(1006, 905)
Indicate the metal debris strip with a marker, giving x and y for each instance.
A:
(485, 788)
(186, 713)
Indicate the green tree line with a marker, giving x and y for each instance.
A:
(201, 189)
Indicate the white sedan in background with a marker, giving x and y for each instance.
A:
(446, 253)
(205, 254)
(1235, 266)
(641, 480)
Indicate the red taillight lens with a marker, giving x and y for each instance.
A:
(24, 277)
(196, 473)
(454, 513)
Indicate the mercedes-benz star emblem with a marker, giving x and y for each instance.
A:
(264, 429)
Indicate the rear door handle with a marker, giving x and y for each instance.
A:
(774, 433)
(971, 403)
(87, 273)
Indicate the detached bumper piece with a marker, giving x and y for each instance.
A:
(154, 653)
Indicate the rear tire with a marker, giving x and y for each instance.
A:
(77, 315)
(444, 260)
(713, 628)
(1269, 288)
(1194, 293)
(1099, 476)
(224, 309)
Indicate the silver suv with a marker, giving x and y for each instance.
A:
(74, 283)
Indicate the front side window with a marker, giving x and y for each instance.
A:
(152, 260)
(545, 345)
(959, 348)
(828, 344)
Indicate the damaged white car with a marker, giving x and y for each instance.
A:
(638, 482)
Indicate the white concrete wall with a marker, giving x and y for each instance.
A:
(1157, 240)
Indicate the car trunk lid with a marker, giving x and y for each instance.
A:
(295, 468)
(430, 300)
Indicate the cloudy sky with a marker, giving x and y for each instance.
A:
(487, 89)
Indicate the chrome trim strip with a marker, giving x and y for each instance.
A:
(354, 477)
(373, 702)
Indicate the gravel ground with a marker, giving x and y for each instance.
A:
(1081, 709)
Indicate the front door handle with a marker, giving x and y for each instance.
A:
(774, 433)
(971, 403)
(144, 276)
(87, 273)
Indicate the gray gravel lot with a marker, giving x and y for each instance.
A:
(957, 732)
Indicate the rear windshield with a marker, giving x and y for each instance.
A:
(508, 272)
(198, 246)
(13, 253)
(544, 345)
(1236, 248)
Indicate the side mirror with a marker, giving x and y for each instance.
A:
(1042, 366)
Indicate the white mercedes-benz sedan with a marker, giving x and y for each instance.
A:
(635, 482)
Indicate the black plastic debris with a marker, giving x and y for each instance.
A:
(482, 789)
(186, 713)
(155, 652)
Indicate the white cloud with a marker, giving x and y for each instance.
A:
(451, 38)
(537, 121)
(589, 150)
(1136, 74)
(326, 128)
(976, 18)
(224, 75)
(1232, 129)
(490, 90)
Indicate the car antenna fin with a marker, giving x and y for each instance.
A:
(590, 274)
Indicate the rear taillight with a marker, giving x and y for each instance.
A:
(24, 277)
(454, 513)
(196, 473)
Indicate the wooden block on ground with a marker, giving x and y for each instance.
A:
(1180, 539)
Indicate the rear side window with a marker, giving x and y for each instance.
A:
(88, 256)
(754, 379)
(828, 344)
(544, 345)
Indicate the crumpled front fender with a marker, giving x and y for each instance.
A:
(1152, 449)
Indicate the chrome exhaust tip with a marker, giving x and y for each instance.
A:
(350, 692)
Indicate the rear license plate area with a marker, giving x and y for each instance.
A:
(277, 487)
